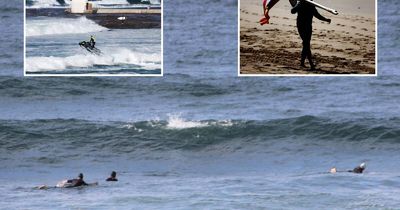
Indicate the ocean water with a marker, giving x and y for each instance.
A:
(52, 48)
(199, 137)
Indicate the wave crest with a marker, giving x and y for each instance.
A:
(54, 26)
(179, 134)
(109, 58)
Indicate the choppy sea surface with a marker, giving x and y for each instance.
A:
(199, 137)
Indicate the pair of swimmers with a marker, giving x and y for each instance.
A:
(80, 182)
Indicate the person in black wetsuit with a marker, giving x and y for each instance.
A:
(77, 182)
(359, 169)
(69, 183)
(92, 42)
(113, 177)
(305, 13)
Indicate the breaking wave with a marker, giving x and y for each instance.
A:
(46, 3)
(176, 133)
(54, 26)
(110, 57)
(177, 122)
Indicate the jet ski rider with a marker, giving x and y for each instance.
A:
(92, 42)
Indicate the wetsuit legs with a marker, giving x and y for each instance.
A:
(306, 53)
(305, 32)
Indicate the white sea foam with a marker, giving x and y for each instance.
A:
(52, 26)
(109, 58)
(46, 3)
(176, 122)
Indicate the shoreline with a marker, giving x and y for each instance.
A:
(108, 20)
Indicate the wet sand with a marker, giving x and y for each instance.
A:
(346, 46)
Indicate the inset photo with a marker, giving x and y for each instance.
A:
(307, 38)
(93, 38)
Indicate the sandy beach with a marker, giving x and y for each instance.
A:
(346, 46)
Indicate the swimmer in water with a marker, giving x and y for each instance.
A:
(69, 183)
(77, 182)
(113, 177)
(357, 170)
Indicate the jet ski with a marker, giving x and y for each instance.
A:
(86, 45)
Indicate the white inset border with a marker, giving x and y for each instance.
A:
(100, 75)
(311, 75)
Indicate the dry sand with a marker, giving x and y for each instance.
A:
(346, 46)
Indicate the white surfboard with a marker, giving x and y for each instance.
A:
(64, 184)
(333, 11)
